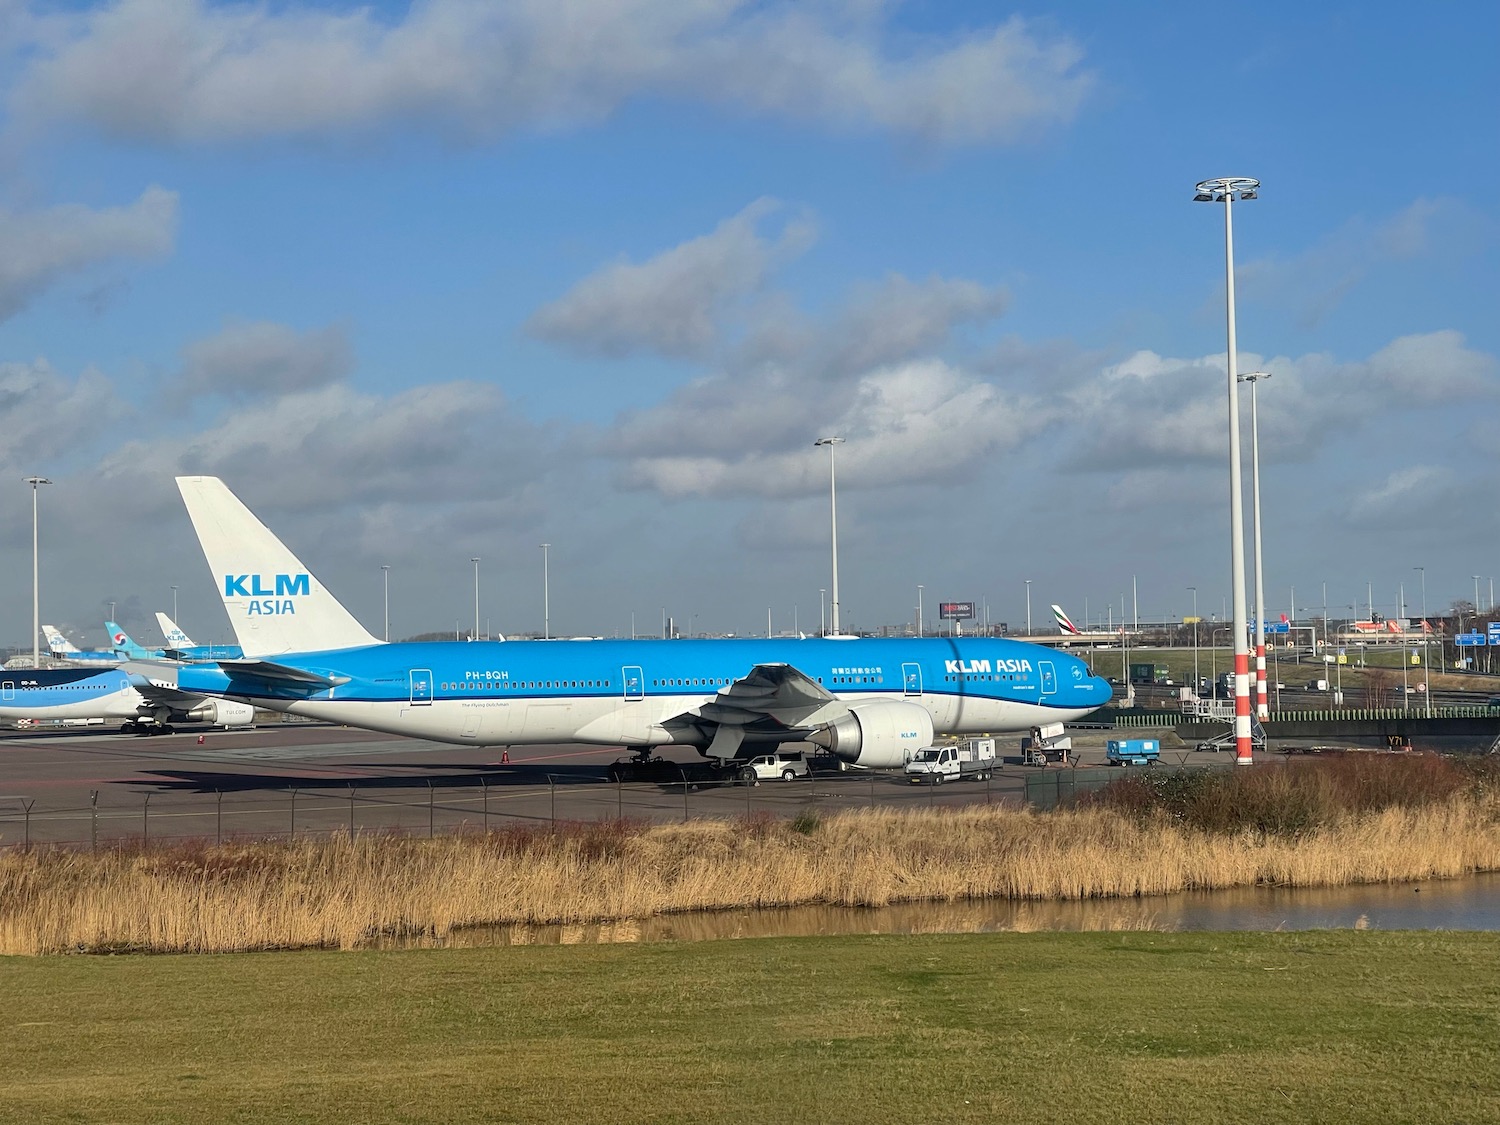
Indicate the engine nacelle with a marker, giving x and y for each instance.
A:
(225, 713)
(879, 735)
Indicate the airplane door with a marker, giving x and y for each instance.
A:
(421, 687)
(8, 690)
(911, 678)
(1049, 677)
(634, 682)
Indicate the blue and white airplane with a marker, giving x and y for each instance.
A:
(180, 646)
(870, 702)
(64, 649)
(145, 698)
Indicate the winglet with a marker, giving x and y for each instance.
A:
(273, 601)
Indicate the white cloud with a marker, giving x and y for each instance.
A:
(262, 358)
(38, 248)
(183, 70)
(1315, 281)
(917, 422)
(672, 303)
(45, 416)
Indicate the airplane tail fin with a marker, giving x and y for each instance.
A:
(59, 644)
(1063, 621)
(122, 643)
(273, 601)
(175, 637)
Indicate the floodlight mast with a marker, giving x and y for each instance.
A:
(1262, 710)
(1226, 190)
(833, 520)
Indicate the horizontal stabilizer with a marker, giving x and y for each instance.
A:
(280, 673)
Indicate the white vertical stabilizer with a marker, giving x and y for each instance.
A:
(274, 603)
(175, 637)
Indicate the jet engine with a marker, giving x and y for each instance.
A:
(224, 713)
(878, 735)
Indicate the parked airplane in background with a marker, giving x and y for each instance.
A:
(64, 649)
(127, 648)
(180, 646)
(870, 702)
(145, 697)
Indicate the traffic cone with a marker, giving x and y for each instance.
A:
(504, 757)
(200, 740)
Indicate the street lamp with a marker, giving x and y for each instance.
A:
(1194, 591)
(174, 606)
(546, 595)
(833, 518)
(822, 611)
(475, 635)
(919, 609)
(1028, 609)
(1226, 190)
(1262, 712)
(385, 574)
(1426, 672)
(36, 577)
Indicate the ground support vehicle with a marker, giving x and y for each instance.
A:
(788, 765)
(1132, 751)
(937, 764)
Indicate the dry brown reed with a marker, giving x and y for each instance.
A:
(345, 893)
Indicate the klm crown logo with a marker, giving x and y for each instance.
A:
(268, 595)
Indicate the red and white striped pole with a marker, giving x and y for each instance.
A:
(1225, 191)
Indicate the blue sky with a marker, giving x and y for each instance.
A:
(424, 283)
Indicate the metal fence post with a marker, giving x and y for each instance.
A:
(430, 811)
(25, 804)
(218, 816)
(352, 790)
(552, 787)
(484, 783)
(294, 814)
(94, 820)
(146, 820)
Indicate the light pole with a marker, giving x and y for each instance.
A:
(36, 577)
(475, 635)
(1028, 609)
(385, 576)
(919, 609)
(1261, 710)
(1226, 190)
(1426, 672)
(1473, 576)
(546, 595)
(833, 519)
(822, 611)
(174, 605)
(1196, 681)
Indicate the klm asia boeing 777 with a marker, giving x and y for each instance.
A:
(870, 702)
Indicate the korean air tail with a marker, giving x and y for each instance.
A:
(176, 638)
(124, 646)
(1063, 622)
(274, 603)
(59, 644)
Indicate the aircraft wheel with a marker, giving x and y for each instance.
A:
(127, 728)
(167, 730)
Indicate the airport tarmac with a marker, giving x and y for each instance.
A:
(94, 786)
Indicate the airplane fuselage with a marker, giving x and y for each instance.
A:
(645, 693)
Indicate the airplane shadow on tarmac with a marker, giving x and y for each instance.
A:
(439, 776)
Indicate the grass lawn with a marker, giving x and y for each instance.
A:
(1133, 1027)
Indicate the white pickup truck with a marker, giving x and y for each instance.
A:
(937, 764)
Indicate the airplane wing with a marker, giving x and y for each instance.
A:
(775, 696)
(157, 684)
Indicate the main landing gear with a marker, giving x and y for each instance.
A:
(143, 728)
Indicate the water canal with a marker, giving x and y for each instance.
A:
(1471, 903)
